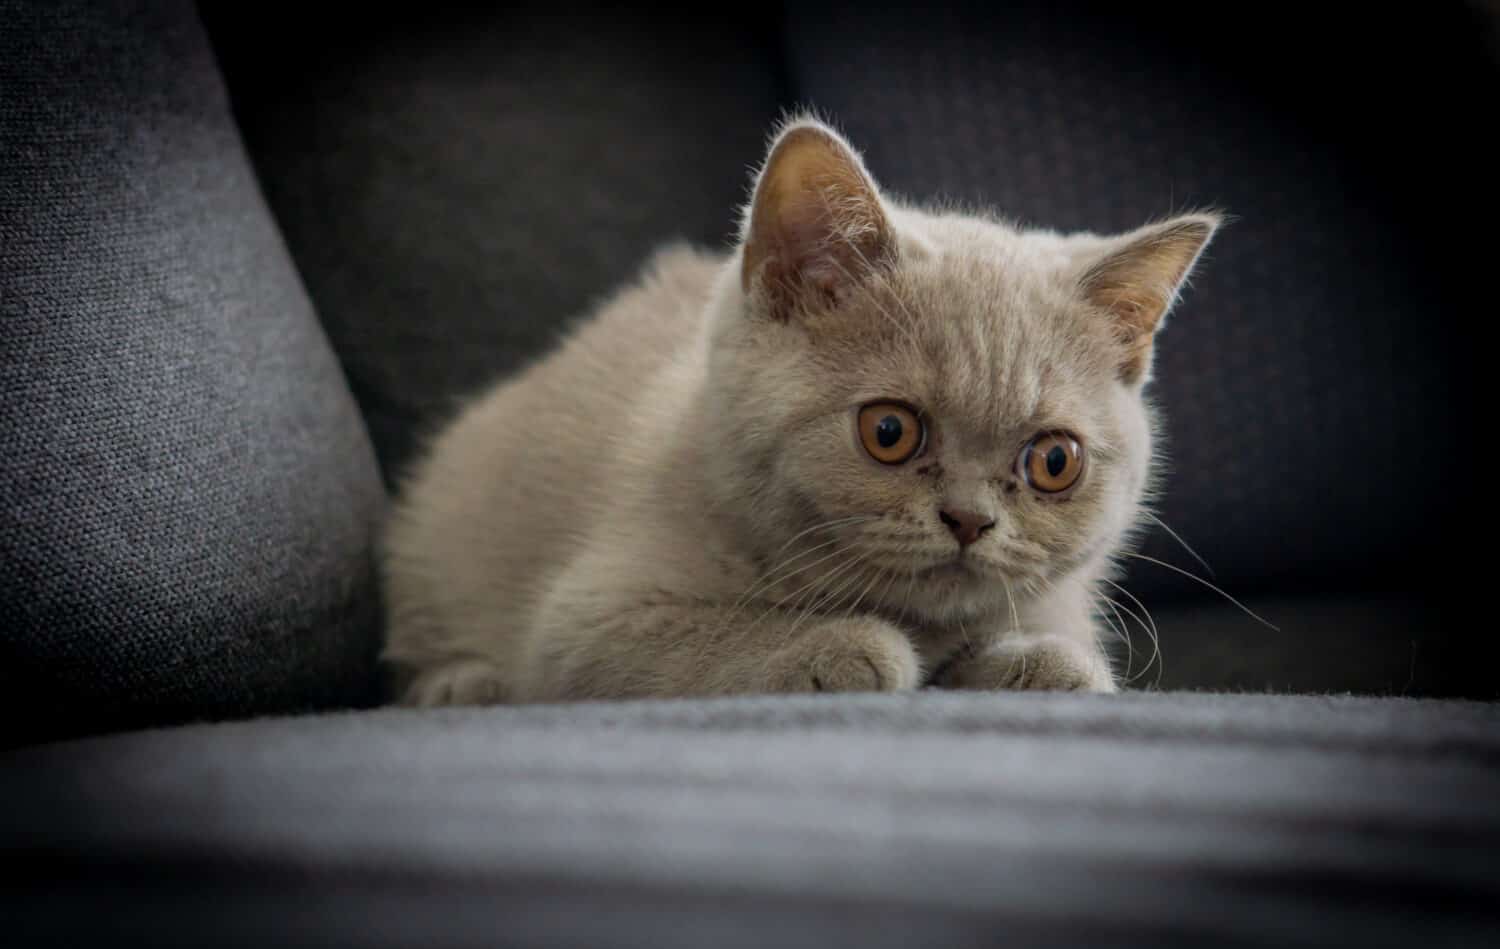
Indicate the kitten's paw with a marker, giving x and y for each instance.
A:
(847, 655)
(1033, 662)
(464, 682)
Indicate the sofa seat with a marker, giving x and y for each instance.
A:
(902, 820)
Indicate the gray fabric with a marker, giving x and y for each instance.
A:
(456, 184)
(932, 819)
(187, 493)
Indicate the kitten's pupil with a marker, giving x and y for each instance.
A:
(888, 431)
(1057, 460)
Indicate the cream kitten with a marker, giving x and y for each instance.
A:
(875, 447)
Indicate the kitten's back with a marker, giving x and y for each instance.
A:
(503, 498)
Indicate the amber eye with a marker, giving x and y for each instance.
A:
(890, 432)
(1052, 463)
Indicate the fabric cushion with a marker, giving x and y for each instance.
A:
(458, 184)
(187, 494)
(927, 819)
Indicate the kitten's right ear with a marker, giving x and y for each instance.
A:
(816, 226)
(1138, 279)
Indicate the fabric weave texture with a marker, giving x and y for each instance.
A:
(188, 497)
(929, 819)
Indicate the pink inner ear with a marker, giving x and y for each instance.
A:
(821, 277)
(1136, 283)
(816, 225)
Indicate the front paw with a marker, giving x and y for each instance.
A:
(848, 655)
(460, 682)
(1032, 662)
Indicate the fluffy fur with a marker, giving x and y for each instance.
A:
(677, 501)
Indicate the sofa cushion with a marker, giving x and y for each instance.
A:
(458, 183)
(187, 493)
(919, 819)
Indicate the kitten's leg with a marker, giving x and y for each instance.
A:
(1031, 662)
(676, 648)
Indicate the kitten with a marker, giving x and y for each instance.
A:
(875, 447)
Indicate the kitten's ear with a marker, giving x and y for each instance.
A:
(1137, 278)
(816, 226)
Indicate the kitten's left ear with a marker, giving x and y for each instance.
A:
(816, 227)
(1137, 279)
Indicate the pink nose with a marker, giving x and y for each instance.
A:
(967, 526)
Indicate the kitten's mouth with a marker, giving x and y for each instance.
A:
(961, 569)
(955, 568)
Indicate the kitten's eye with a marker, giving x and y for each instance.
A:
(890, 432)
(1052, 463)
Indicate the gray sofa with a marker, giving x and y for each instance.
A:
(248, 257)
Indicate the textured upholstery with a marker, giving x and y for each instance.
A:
(187, 493)
(935, 819)
(457, 184)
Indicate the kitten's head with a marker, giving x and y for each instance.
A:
(926, 410)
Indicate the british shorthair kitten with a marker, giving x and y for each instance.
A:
(875, 447)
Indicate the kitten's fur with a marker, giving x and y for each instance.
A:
(670, 503)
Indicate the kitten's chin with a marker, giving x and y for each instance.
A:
(946, 585)
(957, 571)
(952, 582)
(960, 586)
(947, 594)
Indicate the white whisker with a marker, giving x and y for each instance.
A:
(1117, 607)
(818, 603)
(1148, 624)
(1010, 598)
(1121, 633)
(906, 600)
(767, 582)
(815, 585)
(868, 587)
(1177, 537)
(1194, 577)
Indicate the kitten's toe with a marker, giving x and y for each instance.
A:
(465, 682)
(1053, 663)
(853, 655)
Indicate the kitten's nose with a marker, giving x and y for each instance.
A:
(967, 526)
